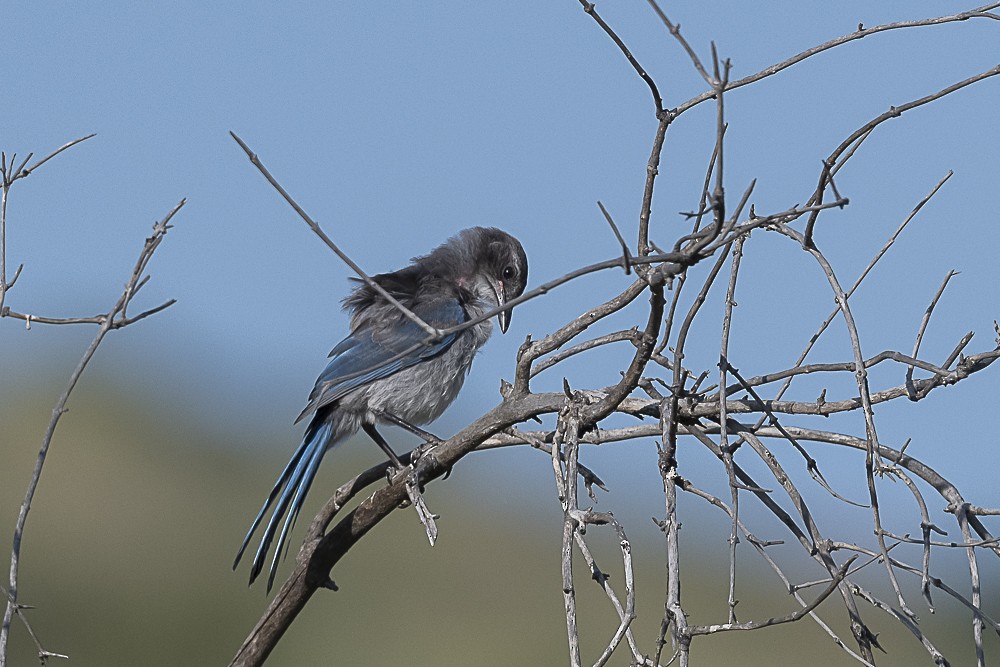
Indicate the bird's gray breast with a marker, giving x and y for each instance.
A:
(420, 393)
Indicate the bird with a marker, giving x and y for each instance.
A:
(381, 373)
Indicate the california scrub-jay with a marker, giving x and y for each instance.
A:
(474, 272)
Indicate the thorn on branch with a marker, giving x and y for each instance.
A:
(626, 256)
(13, 280)
(836, 193)
(525, 347)
(567, 390)
(506, 388)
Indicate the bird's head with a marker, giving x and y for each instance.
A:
(488, 262)
(504, 266)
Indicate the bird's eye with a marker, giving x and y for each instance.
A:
(508, 273)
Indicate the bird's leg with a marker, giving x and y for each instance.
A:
(380, 441)
(430, 438)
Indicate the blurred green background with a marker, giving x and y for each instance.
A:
(128, 548)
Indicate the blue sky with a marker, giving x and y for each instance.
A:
(397, 124)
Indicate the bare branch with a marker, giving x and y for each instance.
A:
(159, 231)
(978, 12)
(657, 101)
(788, 618)
(923, 327)
(632, 335)
(313, 225)
(626, 257)
(675, 30)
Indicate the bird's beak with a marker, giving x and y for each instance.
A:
(503, 317)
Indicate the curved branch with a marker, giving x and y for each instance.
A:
(978, 12)
(320, 552)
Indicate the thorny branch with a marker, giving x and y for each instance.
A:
(687, 414)
(862, 32)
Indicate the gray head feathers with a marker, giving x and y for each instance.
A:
(479, 264)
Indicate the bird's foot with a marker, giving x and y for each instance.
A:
(392, 471)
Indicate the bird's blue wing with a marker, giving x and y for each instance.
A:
(372, 354)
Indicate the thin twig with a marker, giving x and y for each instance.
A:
(589, 8)
(626, 256)
(727, 451)
(923, 327)
(160, 229)
(788, 618)
(314, 226)
(978, 12)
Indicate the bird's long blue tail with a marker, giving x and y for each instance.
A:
(290, 489)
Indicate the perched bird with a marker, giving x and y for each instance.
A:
(372, 377)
